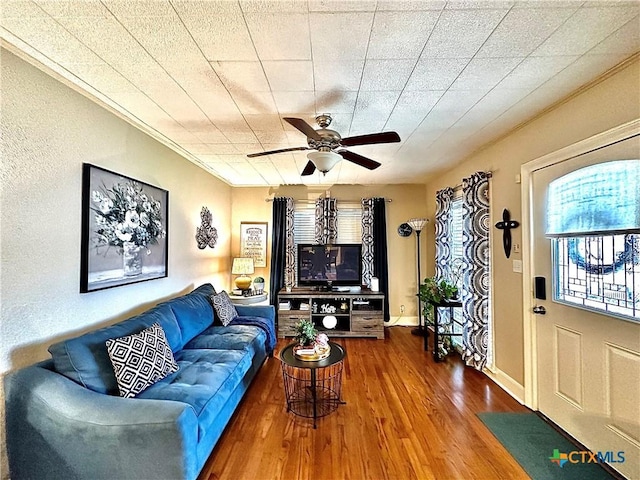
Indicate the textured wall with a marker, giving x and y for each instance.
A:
(607, 104)
(48, 131)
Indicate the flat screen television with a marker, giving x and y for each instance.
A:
(330, 265)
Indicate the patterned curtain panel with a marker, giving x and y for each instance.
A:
(367, 240)
(326, 220)
(290, 262)
(475, 296)
(443, 240)
(282, 247)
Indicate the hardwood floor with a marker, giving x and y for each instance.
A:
(406, 417)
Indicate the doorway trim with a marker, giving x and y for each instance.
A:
(595, 142)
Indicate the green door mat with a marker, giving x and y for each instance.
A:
(540, 449)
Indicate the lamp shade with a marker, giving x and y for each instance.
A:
(418, 223)
(324, 161)
(242, 266)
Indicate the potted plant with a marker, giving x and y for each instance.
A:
(311, 344)
(438, 290)
(306, 332)
(433, 290)
(258, 284)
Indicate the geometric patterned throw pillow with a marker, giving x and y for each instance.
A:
(141, 360)
(224, 307)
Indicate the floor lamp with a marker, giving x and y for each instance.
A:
(418, 224)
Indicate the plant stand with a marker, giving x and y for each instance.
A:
(436, 326)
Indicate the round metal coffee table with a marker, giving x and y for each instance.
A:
(312, 388)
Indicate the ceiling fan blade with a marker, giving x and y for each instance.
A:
(304, 127)
(308, 169)
(270, 152)
(383, 137)
(359, 159)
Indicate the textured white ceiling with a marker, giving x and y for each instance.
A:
(213, 79)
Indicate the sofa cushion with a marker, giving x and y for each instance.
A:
(231, 337)
(193, 312)
(140, 360)
(85, 360)
(224, 307)
(206, 380)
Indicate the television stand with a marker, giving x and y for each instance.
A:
(357, 314)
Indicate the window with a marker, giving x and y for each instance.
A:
(304, 224)
(349, 223)
(599, 273)
(593, 218)
(457, 259)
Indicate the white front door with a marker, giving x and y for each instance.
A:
(587, 363)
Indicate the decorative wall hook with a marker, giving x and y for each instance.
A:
(506, 225)
(206, 234)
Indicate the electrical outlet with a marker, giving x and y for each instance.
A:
(401, 308)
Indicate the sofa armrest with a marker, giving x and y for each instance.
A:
(264, 311)
(59, 429)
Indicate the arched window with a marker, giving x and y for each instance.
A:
(593, 217)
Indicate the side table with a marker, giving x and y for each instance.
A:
(248, 300)
(312, 388)
(436, 326)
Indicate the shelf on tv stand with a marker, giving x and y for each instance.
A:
(359, 313)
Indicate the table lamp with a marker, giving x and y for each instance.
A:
(243, 267)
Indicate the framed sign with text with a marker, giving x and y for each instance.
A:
(253, 242)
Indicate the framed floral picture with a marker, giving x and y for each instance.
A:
(253, 242)
(124, 230)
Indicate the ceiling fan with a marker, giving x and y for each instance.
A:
(329, 143)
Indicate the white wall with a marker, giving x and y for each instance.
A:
(48, 131)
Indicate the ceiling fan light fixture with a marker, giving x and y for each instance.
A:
(324, 161)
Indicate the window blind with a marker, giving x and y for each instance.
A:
(304, 225)
(349, 223)
(456, 229)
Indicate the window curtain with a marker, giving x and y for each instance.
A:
(367, 241)
(374, 246)
(475, 293)
(444, 241)
(282, 247)
(326, 220)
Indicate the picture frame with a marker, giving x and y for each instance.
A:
(253, 242)
(124, 237)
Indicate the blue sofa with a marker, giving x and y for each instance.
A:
(65, 420)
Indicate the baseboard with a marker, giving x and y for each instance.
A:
(507, 383)
(402, 321)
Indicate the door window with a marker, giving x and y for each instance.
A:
(593, 217)
(599, 272)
